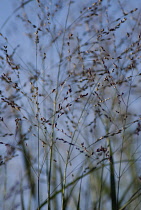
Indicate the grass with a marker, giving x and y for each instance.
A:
(69, 112)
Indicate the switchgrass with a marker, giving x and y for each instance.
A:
(70, 114)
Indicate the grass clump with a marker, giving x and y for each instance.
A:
(70, 96)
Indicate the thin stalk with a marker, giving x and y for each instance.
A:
(22, 196)
(5, 186)
(61, 55)
(112, 178)
(121, 153)
(133, 197)
(49, 177)
(51, 153)
(79, 196)
(37, 116)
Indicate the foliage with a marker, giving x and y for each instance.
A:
(70, 96)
